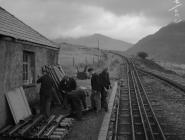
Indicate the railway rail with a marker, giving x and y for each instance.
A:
(157, 76)
(137, 114)
(170, 82)
(135, 117)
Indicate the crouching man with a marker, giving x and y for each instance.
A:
(76, 98)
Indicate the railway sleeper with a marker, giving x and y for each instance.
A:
(128, 136)
(124, 120)
(124, 96)
(154, 109)
(124, 93)
(125, 115)
(124, 128)
(146, 105)
(124, 107)
(137, 119)
(124, 100)
(138, 128)
(124, 89)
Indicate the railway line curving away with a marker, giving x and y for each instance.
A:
(135, 116)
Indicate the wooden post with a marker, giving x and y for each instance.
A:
(93, 59)
(86, 60)
(73, 61)
(98, 51)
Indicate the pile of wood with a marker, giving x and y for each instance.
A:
(56, 73)
(28, 126)
(39, 127)
(82, 75)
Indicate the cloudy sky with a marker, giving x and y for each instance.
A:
(128, 20)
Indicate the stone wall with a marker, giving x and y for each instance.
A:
(11, 71)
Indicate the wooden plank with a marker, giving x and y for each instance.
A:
(18, 104)
(25, 101)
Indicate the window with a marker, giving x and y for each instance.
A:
(28, 68)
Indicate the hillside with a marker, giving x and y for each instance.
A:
(168, 44)
(105, 42)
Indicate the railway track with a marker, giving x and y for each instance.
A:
(157, 76)
(168, 81)
(154, 123)
(135, 118)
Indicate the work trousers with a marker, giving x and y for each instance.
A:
(96, 100)
(104, 103)
(46, 97)
(45, 104)
(76, 106)
(77, 100)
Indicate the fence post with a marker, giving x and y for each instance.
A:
(86, 60)
(93, 59)
(73, 61)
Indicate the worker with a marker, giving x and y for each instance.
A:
(96, 90)
(105, 86)
(64, 88)
(46, 92)
(76, 98)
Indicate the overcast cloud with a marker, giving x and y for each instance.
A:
(128, 20)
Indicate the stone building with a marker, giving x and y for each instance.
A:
(23, 51)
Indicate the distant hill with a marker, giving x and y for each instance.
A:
(105, 42)
(167, 44)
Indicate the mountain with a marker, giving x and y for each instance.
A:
(91, 41)
(167, 44)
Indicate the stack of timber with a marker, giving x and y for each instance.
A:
(28, 126)
(39, 127)
(56, 73)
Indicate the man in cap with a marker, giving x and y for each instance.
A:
(46, 92)
(96, 90)
(105, 85)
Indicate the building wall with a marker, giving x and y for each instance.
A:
(11, 71)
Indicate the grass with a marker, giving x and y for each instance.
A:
(178, 68)
(72, 55)
(142, 63)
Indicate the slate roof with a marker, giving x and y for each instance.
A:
(13, 27)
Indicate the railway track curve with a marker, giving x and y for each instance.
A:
(135, 117)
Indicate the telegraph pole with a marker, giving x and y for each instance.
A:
(73, 61)
(93, 59)
(98, 50)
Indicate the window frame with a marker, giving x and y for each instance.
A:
(28, 65)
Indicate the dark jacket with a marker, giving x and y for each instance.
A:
(46, 84)
(105, 81)
(67, 84)
(95, 82)
(64, 85)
